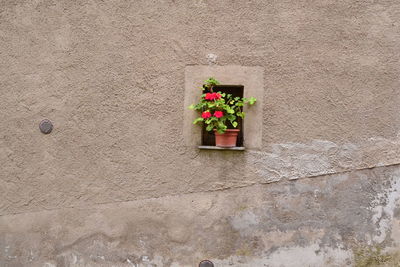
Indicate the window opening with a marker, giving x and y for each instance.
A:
(208, 138)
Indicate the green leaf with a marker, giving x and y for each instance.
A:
(231, 117)
(234, 124)
(252, 100)
(192, 106)
(240, 114)
(198, 120)
(210, 127)
(211, 81)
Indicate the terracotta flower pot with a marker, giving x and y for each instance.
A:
(227, 139)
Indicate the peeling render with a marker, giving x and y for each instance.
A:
(384, 207)
(321, 157)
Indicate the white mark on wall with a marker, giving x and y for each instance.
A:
(31, 257)
(74, 258)
(317, 193)
(211, 59)
(145, 258)
(97, 257)
(7, 253)
(131, 263)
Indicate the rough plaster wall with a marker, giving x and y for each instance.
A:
(307, 222)
(110, 75)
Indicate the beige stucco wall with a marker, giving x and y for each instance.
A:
(111, 77)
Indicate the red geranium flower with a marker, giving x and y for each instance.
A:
(208, 96)
(212, 96)
(218, 114)
(206, 115)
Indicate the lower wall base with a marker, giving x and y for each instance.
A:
(323, 221)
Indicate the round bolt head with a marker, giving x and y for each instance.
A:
(45, 126)
(206, 263)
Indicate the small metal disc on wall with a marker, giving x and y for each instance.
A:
(45, 126)
(206, 263)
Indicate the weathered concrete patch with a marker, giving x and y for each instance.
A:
(315, 222)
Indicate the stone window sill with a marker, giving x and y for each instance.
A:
(236, 148)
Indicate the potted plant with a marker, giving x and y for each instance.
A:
(220, 113)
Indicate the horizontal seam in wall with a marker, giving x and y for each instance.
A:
(206, 191)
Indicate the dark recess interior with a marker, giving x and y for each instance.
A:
(208, 138)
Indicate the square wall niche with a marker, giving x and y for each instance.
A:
(237, 80)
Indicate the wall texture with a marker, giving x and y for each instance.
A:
(115, 184)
